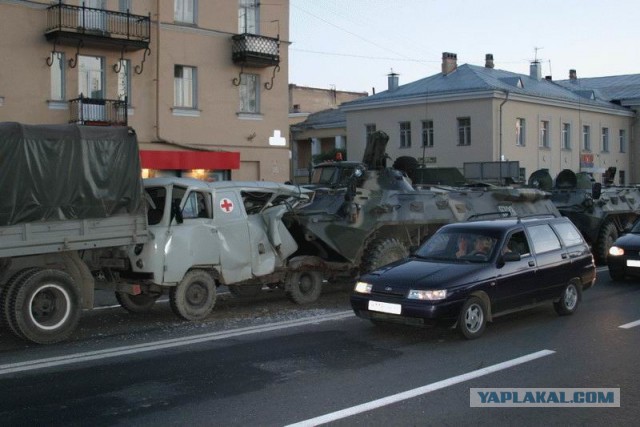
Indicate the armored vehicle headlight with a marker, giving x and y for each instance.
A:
(363, 287)
(616, 251)
(429, 295)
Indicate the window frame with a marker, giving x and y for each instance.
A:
(183, 19)
(405, 134)
(464, 131)
(586, 137)
(244, 26)
(604, 139)
(59, 61)
(248, 82)
(521, 132)
(194, 89)
(545, 134)
(622, 140)
(125, 69)
(566, 136)
(427, 133)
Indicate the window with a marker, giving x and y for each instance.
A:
(623, 140)
(248, 17)
(369, 130)
(427, 133)
(520, 132)
(57, 77)
(544, 134)
(197, 205)
(184, 87)
(249, 93)
(91, 77)
(586, 138)
(464, 131)
(569, 234)
(605, 140)
(405, 134)
(543, 238)
(124, 80)
(566, 136)
(184, 11)
(124, 6)
(622, 178)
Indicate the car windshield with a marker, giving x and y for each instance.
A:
(457, 246)
(636, 228)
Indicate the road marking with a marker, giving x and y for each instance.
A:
(374, 404)
(630, 325)
(32, 365)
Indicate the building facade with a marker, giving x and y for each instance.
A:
(204, 84)
(470, 113)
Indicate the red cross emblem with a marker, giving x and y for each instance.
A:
(226, 205)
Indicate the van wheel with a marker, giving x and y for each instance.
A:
(303, 287)
(245, 291)
(568, 302)
(194, 297)
(472, 319)
(45, 306)
(141, 303)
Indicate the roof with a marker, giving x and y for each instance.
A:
(611, 88)
(472, 78)
(331, 118)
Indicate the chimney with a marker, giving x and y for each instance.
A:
(573, 75)
(488, 60)
(392, 80)
(449, 62)
(534, 70)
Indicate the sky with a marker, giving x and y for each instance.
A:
(352, 45)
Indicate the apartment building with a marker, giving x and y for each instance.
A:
(471, 113)
(203, 83)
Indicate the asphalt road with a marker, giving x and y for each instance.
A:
(268, 362)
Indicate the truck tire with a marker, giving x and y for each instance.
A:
(45, 306)
(194, 297)
(607, 235)
(303, 287)
(382, 252)
(5, 301)
(138, 304)
(245, 291)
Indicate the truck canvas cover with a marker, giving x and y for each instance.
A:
(59, 172)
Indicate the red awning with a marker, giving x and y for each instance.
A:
(185, 160)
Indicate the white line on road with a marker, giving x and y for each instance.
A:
(69, 359)
(334, 416)
(630, 325)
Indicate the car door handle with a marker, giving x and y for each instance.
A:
(532, 264)
(564, 256)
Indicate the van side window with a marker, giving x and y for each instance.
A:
(197, 205)
(568, 233)
(543, 238)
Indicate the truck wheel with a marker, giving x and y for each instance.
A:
(194, 297)
(382, 252)
(5, 299)
(568, 302)
(45, 306)
(141, 303)
(303, 287)
(607, 235)
(245, 291)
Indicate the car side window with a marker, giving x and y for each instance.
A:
(543, 238)
(517, 243)
(196, 206)
(569, 234)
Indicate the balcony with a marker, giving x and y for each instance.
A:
(80, 25)
(251, 50)
(98, 112)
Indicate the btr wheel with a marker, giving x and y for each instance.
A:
(141, 303)
(382, 252)
(303, 287)
(472, 319)
(568, 302)
(194, 297)
(607, 235)
(45, 306)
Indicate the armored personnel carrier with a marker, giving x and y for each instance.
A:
(601, 213)
(365, 215)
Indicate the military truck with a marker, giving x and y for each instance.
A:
(601, 213)
(365, 215)
(68, 191)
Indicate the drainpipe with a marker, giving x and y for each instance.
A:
(158, 137)
(501, 105)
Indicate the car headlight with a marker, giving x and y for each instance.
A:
(363, 287)
(616, 251)
(430, 295)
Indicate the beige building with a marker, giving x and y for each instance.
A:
(203, 83)
(477, 114)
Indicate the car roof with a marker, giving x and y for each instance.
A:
(495, 225)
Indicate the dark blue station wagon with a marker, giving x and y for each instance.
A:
(468, 273)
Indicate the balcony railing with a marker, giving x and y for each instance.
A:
(98, 112)
(97, 26)
(251, 50)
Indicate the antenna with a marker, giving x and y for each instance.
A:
(536, 49)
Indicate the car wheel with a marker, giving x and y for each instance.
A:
(194, 297)
(472, 319)
(303, 287)
(616, 274)
(141, 303)
(568, 302)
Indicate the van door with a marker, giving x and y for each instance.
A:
(233, 233)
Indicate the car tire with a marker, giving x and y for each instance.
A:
(569, 300)
(382, 252)
(617, 274)
(303, 287)
(194, 297)
(137, 304)
(472, 319)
